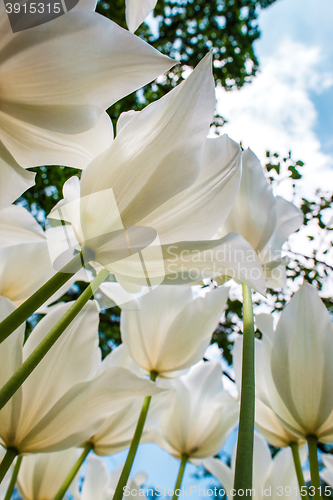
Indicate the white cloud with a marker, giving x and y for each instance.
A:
(275, 111)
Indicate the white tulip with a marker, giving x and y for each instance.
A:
(327, 473)
(272, 478)
(263, 219)
(41, 475)
(55, 90)
(297, 370)
(266, 420)
(168, 329)
(197, 415)
(25, 263)
(99, 484)
(46, 413)
(152, 195)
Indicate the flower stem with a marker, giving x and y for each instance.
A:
(244, 457)
(119, 492)
(68, 481)
(183, 463)
(298, 469)
(314, 466)
(25, 310)
(15, 382)
(7, 461)
(12, 483)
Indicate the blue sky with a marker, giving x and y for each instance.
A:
(289, 105)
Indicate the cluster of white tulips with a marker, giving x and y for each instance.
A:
(160, 210)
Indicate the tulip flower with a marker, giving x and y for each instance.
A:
(45, 414)
(197, 414)
(297, 367)
(177, 334)
(297, 371)
(272, 478)
(263, 219)
(137, 11)
(327, 473)
(160, 206)
(25, 263)
(99, 484)
(266, 420)
(54, 91)
(40, 474)
(118, 429)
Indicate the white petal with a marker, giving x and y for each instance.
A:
(10, 361)
(191, 331)
(66, 425)
(289, 219)
(137, 11)
(14, 180)
(220, 470)
(301, 359)
(59, 67)
(32, 145)
(24, 269)
(254, 212)
(143, 333)
(69, 362)
(159, 149)
(327, 473)
(18, 226)
(192, 261)
(261, 461)
(41, 475)
(197, 212)
(96, 479)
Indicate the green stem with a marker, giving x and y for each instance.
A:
(183, 463)
(298, 469)
(244, 458)
(12, 483)
(15, 382)
(314, 466)
(119, 492)
(68, 481)
(7, 461)
(37, 299)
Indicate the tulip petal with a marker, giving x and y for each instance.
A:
(137, 11)
(301, 359)
(66, 425)
(197, 212)
(221, 471)
(14, 180)
(69, 362)
(254, 213)
(40, 475)
(95, 480)
(142, 332)
(157, 153)
(190, 333)
(60, 67)
(289, 219)
(192, 261)
(18, 226)
(32, 145)
(23, 269)
(10, 361)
